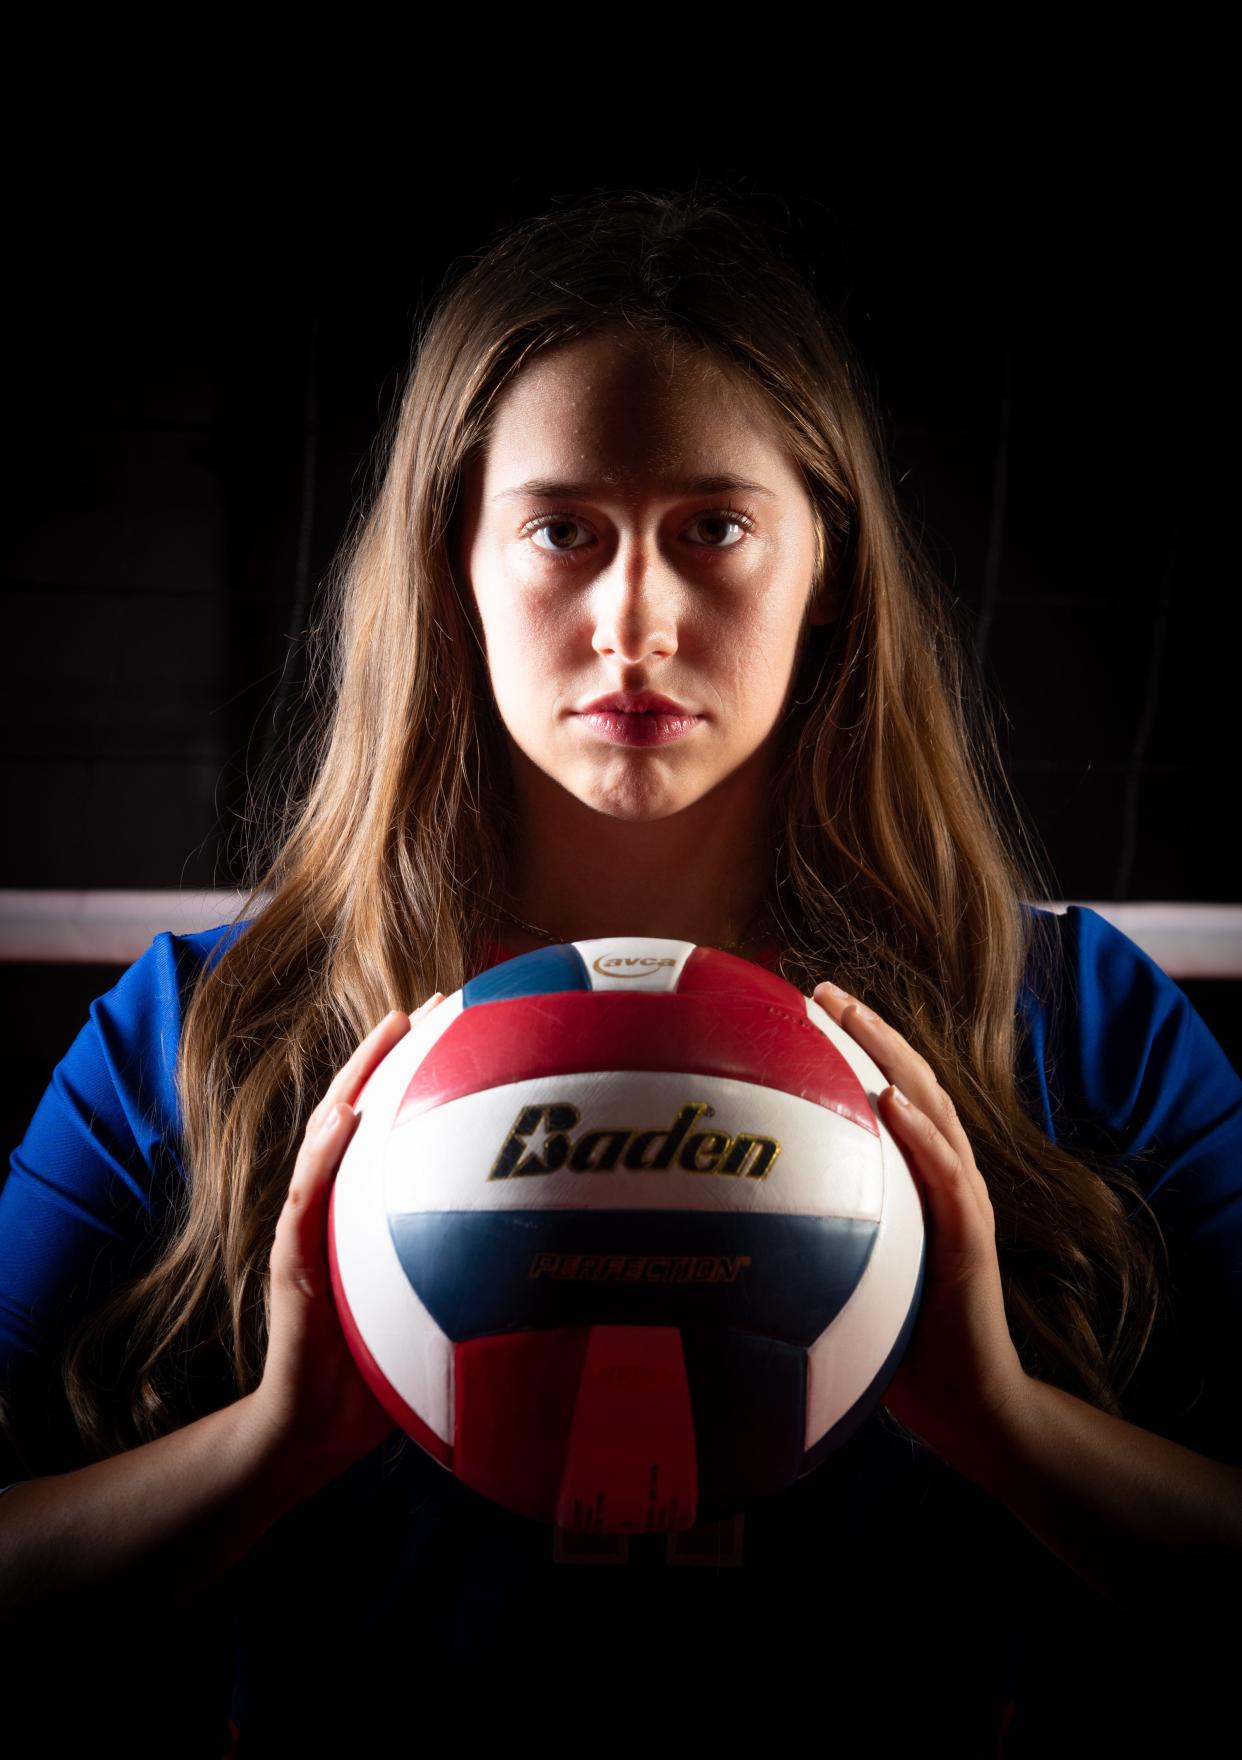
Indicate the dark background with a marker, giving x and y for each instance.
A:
(202, 344)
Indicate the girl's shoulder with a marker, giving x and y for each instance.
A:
(100, 1160)
(115, 1088)
(99, 1164)
(1118, 1056)
(1122, 1063)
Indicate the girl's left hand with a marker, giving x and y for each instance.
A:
(960, 1380)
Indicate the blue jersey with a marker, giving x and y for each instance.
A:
(882, 1580)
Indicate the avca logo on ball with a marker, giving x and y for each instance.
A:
(613, 1147)
(622, 965)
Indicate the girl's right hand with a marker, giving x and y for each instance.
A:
(312, 1393)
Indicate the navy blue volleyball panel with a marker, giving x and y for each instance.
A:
(544, 972)
(777, 1277)
(748, 1397)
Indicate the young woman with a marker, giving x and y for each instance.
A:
(635, 460)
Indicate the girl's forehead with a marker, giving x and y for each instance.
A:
(600, 407)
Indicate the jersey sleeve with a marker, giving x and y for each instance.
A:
(89, 1184)
(1130, 1069)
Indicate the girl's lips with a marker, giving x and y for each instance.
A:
(635, 703)
(646, 728)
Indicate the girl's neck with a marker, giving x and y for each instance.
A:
(702, 874)
(758, 937)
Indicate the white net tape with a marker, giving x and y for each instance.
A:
(114, 928)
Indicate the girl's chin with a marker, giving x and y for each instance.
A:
(645, 807)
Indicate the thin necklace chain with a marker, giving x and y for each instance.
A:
(562, 940)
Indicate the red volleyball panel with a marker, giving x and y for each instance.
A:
(632, 1462)
(515, 1395)
(742, 1037)
(588, 1427)
(709, 972)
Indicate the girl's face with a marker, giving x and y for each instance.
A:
(632, 575)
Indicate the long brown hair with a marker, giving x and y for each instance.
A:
(900, 864)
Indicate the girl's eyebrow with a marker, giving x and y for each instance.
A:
(545, 489)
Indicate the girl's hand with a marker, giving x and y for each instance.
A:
(312, 1393)
(961, 1377)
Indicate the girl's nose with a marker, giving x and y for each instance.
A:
(634, 624)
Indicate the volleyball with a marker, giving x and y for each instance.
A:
(620, 1238)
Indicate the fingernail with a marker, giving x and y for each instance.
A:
(899, 1097)
(834, 989)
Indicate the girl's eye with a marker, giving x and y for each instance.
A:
(726, 516)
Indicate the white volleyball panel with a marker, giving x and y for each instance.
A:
(846, 1358)
(824, 1163)
(409, 1347)
(634, 962)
